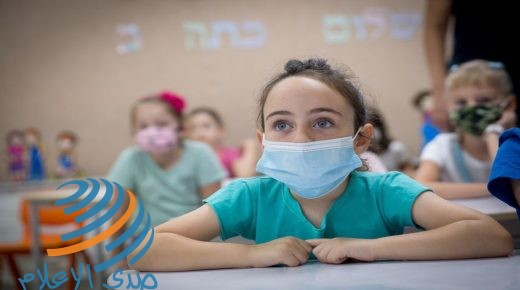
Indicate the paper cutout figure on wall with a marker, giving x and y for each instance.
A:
(67, 155)
(35, 155)
(15, 155)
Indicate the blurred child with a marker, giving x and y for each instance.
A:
(169, 174)
(205, 125)
(313, 199)
(36, 155)
(392, 153)
(457, 165)
(423, 103)
(67, 155)
(15, 154)
(504, 180)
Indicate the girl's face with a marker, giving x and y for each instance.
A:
(471, 95)
(301, 109)
(154, 114)
(202, 127)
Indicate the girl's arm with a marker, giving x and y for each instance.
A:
(181, 244)
(428, 174)
(436, 26)
(452, 232)
(245, 166)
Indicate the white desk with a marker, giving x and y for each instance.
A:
(491, 206)
(496, 274)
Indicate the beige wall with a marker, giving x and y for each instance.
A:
(59, 68)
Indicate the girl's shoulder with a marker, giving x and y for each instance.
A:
(444, 138)
(372, 181)
(196, 147)
(131, 152)
(513, 133)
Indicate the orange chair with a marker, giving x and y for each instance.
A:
(48, 215)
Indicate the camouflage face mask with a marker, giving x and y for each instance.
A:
(474, 120)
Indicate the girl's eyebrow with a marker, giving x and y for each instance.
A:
(278, 113)
(320, 110)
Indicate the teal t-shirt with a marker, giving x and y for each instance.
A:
(168, 193)
(373, 205)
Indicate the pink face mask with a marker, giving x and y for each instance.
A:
(156, 140)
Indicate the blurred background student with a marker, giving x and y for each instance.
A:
(482, 30)
(422, 101)
(206, 125)
(504, 180)
(169, 174)
(457, 165)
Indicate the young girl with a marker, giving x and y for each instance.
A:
(205, 125)
(457, 165)
(313, 200)
(170, 175)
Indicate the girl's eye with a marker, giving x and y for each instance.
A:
(484, 100)
(161, 124)
(281, 126)
(323, 124)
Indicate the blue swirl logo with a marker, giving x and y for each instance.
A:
(93, 204)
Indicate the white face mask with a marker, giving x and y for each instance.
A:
(311, 169)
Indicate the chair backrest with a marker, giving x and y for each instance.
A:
(48, 214)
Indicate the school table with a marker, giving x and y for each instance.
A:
(471, 274)
(491, 206)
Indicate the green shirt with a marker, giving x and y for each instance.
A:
(168, 193)
(262, 209)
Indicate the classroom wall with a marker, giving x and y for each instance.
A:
(65, 65)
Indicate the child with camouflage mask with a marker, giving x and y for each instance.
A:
(481, 104)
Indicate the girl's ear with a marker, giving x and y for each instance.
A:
(363, 138)
(259, 137)
(511, 103)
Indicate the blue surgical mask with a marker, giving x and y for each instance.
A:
(311, 169)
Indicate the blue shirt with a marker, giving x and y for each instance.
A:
(506, 167)
(373, 205)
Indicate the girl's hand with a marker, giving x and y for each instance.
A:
(288, 251)
(338, 250)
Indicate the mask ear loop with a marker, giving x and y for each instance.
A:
(357, 133)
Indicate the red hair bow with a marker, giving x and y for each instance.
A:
(175, 101)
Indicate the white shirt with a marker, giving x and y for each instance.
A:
(440, 151)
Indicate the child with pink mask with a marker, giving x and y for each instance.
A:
(168, 174)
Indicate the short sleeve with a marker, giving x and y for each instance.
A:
(433, 152)
(209, 168)
(123, 170)
(396, 196)
(235, 206)
(506, 167)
